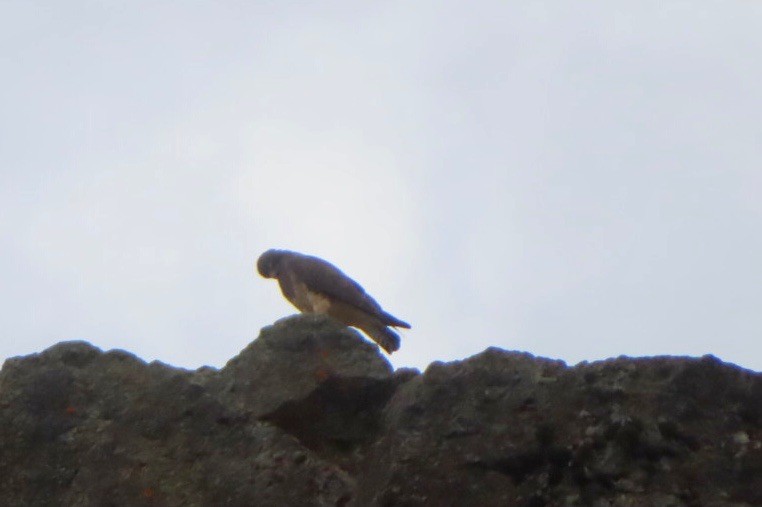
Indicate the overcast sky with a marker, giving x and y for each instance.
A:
(576, 180)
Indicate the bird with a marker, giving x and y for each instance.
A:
(314, 285)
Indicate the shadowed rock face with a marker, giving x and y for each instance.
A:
(312, 414)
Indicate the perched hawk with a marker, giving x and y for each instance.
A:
(317, 286)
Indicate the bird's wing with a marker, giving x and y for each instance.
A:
(324, 278)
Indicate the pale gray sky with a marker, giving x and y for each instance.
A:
(577, 180)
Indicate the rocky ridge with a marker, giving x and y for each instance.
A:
(310, 413)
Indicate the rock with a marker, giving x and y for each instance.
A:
(83, 427)
(315, 378)
(505, 428)
(293, 357)
(310, 413)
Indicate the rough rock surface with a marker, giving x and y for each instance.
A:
(312, 414)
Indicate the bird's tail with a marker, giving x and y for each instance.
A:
(391, 320)
(385, 337)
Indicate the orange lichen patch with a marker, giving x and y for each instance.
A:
(71, 410)
(322, 374)
(148, 492)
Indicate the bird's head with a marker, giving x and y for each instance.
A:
(268, 262)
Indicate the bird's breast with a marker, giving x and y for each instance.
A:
(308, 301)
